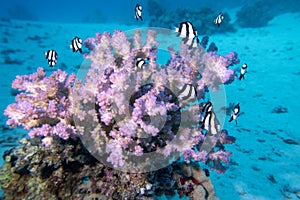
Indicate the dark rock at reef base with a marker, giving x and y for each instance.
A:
(32, 171)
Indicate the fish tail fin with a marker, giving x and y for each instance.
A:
(197, 40)
(189, 42)
(194, 45)
(185, 40)
(202, 125)
(241, 77)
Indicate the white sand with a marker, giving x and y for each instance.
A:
(272, 54)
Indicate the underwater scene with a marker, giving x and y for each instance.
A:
(150, 100)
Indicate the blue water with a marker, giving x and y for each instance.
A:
(94, 10)
(263, 148)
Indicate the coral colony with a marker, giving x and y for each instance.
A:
(124, 132)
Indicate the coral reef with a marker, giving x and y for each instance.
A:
(129, 119)
(66, 170)
(44, 106)
(202, 18)
(258, 13)
(127, 100)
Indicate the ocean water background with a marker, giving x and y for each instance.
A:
(92, 10)
(265, 161)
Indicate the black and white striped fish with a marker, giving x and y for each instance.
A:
(76, 44)
(140, 62)
(188, 91)
(235, 113)
(138, 12)
(207, 107)
(51, 56)
(188, 32)
(243, 71)
(218, 20)
(208, 119)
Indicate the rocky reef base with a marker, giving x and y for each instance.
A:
(66, 170)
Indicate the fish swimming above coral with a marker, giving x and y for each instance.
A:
(138, 12)
(235, 113)
(51, 56)
(76, 44)
(208, 119)
(243, 71)
(187, 31)
(218, 20)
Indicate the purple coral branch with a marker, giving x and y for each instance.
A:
(44, 105)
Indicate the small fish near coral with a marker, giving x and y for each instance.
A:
(51, 56)
(138, 12)
(208, 119)
(243, 71)
(218, 20)
(140, 63)
(235, 113)
(187, 31)
(188, 91)
(76, 44)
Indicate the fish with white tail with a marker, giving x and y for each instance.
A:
(51, 56)
(218, 20)
(138, 12)
(208, 119)
(187, 31)
(188, 91)
(76, 44)
(235, 113)
(243, 71)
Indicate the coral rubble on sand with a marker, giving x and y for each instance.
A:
(121, 132)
